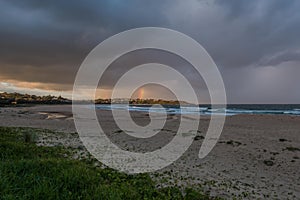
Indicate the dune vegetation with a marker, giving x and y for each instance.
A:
(29, 171)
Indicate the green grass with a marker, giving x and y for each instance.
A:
(28, 171)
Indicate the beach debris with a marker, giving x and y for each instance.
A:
(268, 162)
(231, 142)
(292, 149)
(282, 140)
(199, 137)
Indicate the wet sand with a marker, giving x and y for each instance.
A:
(257, 156)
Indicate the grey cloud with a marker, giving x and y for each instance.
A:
(239, 33)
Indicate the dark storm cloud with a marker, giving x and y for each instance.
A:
(39, 39)
(46, 41)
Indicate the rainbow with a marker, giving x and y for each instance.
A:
(141, 93)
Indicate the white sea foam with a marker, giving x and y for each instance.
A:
(197, 110)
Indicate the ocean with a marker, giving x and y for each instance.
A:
(230, 109)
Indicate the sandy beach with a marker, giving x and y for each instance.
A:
(256, 157)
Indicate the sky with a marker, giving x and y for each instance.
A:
(255, 44)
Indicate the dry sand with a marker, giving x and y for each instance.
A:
(257, 156)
